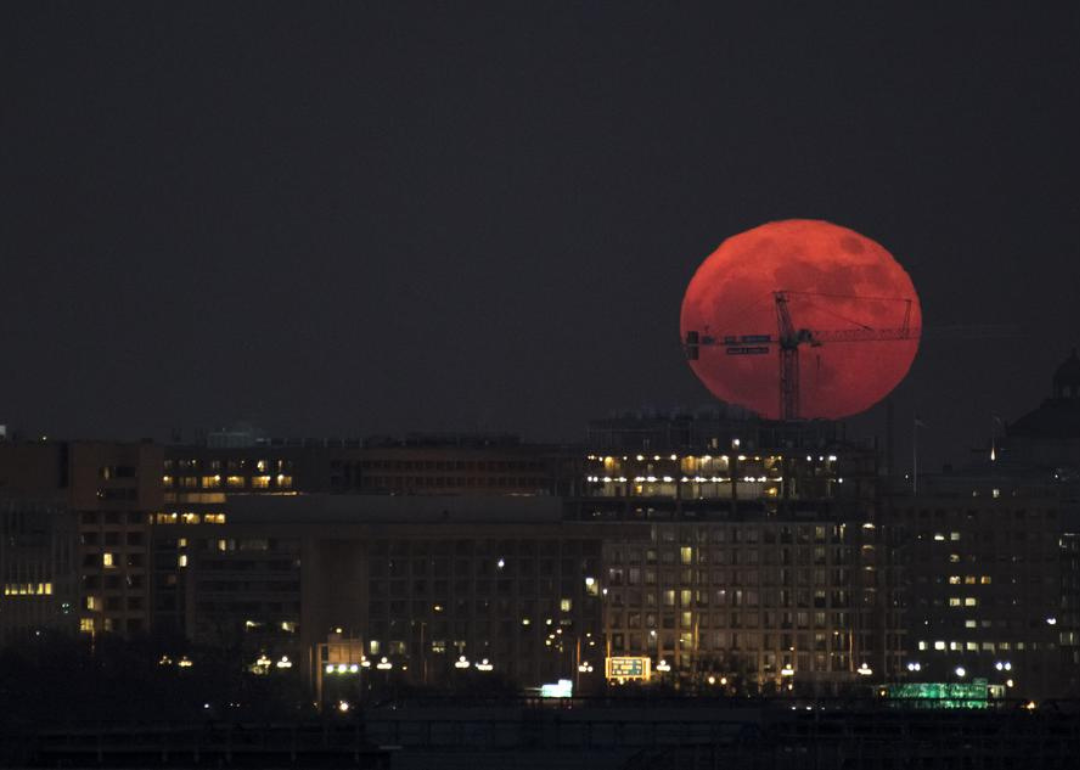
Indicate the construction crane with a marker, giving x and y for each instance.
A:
(790, 337)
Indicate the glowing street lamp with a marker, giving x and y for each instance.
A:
(961, 671)
(462, 663)
(384, 665)
(865, 670)
(585, 667)
(663, 666)
(284, 662)
(787, 671)
(484, 665)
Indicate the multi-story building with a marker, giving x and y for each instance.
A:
(111, 489)
(758, 562)
(421, 581)
(202, 483)
(37, 567)
(991, 561)
(991, 585)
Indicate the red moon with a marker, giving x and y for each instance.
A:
(843, 287)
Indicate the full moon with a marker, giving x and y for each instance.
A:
(853, 309)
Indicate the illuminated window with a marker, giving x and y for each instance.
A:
(954, 558)
(971, 624)
(261, 482)
(954, 601)
(565, 605)
(686, 554)
(182, 542)
(27, 589)
(954, 535)
(167, 481)
(86, 625)
(939, 645)
(261, 466)
(211, 482)
(93, 603)
(969, 580)
(985, 580)
(283, 481)
(235, 482)
(190, 518)
(954, 580)
(189, 482)
(971, 601)
(373, 645)
(107, 560)
(922, 645)
(181, 560)
(973, 646)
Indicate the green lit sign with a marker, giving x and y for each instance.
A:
(941, 695)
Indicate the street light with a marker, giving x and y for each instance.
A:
(961, 671)
(585, 667)
(462, 663)
(663, 667)
(865, 670)
(914, 666)
(484, 665)
(384, 665)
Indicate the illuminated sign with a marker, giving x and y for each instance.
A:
(564, 689)
(942, 695)
(628, 668)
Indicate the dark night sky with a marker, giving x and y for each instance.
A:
(346, 219)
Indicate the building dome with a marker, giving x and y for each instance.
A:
(1067, 378)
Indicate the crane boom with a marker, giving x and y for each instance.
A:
(789, 338)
